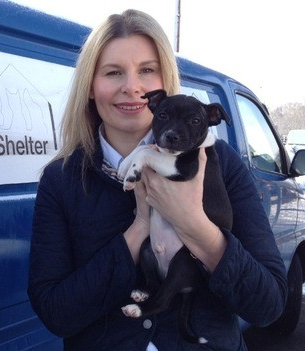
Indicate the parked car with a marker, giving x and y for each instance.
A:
(295, 141)
(37, 56)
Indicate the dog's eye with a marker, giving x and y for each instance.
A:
(162, 115)
(195, 121)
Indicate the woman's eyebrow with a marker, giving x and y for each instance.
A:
(149, 62)
(116, 65)
(109, 65)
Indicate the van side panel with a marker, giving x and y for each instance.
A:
(34, 48)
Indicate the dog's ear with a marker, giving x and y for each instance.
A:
(154, 98)
(216, 113)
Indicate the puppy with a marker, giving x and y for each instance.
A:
(180, 127)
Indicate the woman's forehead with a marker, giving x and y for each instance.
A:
(137, 47)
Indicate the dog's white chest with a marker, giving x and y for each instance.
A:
(164, 241)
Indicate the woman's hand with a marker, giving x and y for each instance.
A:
(181, 204)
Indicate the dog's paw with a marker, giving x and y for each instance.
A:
(132, 177)
(133, 311)
(202, 340)
(128, 185)
(127, 163)
(124, 167)
(139, 295)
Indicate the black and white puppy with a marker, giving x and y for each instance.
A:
(180, 127)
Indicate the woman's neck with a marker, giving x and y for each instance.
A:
(124, 143)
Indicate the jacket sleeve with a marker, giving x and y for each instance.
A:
(59, 291)
(251, 276)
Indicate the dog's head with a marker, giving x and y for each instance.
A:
(181, 123)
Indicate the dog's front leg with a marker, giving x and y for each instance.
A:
(127, 162)
(164, 164)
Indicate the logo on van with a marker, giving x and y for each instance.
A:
(26, 117)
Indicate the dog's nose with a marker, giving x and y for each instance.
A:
(171, 137)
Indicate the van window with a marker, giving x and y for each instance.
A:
(263, 146)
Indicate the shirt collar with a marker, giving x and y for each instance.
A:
(111, 155)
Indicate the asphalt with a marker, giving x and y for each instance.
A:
(262, 340)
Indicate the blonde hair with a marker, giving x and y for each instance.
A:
(80, 119)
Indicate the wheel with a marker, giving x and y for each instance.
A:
(289, 319)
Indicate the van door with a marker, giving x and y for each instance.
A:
(269, 167)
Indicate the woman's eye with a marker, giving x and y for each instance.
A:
(113, 73)
(147, 70)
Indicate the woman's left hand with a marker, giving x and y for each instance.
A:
(179, 202)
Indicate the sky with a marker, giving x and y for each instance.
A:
(259, 43)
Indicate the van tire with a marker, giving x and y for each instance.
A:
(289, 319)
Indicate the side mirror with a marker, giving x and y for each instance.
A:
(298, 163)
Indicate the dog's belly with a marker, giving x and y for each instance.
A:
(164, 241)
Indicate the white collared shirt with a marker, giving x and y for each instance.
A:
(111, 155)
(151, 347)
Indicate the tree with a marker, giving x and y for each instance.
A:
(289, 116)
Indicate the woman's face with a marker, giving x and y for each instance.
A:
(127, 69)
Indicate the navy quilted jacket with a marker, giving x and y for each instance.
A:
(81, 271)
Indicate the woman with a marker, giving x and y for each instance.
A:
(87, 231)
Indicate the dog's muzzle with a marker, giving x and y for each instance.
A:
(169, 151)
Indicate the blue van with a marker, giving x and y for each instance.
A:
(37, 56)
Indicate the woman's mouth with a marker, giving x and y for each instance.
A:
(130, 108)
(125, 107)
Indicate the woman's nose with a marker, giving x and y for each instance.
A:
(131, 85)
